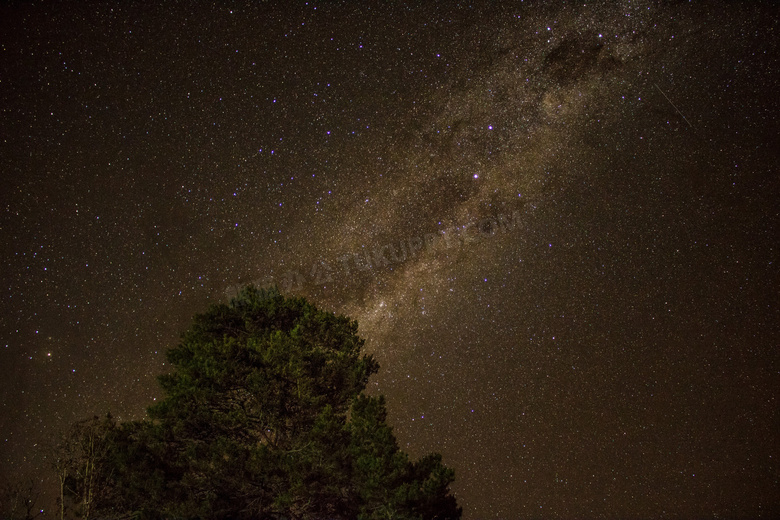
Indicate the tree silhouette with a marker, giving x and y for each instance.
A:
(20, 500)
(264, 418)
(80, 458)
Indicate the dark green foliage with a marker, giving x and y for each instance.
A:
(389, 485)
(264, 418)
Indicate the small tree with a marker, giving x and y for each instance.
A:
(20, 500)
(264, 418)
(83, 466)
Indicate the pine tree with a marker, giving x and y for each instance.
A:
(264, 417)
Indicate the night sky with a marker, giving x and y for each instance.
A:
(556, 226)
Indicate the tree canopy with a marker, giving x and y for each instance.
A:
(264, 417)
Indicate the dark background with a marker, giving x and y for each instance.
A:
(613, 355)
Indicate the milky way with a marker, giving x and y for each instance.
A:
(556, 227)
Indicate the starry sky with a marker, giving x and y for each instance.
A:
(556, 225)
